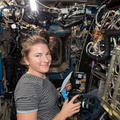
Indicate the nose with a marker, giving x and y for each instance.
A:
(46, 58)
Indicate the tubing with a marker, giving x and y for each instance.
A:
(106, 54)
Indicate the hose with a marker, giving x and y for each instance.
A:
(106, 54)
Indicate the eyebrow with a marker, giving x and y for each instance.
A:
(41, 53)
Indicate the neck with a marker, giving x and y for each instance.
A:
(42, 75)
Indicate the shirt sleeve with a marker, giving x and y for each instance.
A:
(26, 99)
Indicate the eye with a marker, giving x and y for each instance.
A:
(48, 53)
(39, 55)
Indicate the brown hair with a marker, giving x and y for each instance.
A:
(30, 41)
(44, 34)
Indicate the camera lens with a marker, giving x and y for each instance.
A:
(88, 103)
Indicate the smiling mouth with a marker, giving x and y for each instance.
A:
(45, 65)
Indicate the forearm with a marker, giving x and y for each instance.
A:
(27, 116)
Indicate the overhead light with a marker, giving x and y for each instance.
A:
(33, 5)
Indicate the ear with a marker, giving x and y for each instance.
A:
(26, 61)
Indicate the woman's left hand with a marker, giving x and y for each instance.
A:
(68, 86)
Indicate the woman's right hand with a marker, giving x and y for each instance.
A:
(70, 107)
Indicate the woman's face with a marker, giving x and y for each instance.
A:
(39, 60)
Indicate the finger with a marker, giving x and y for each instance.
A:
(77, 110)
(73, 99)
(69, 84)
(77, 105)
(66, 101)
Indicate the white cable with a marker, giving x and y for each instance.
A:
(88, 48)
(42, 4)
(49, 8)
(113, 21)
(96, 49)
(115, 26)
(105, 17)
(114, 41)
(96, 16)
(101, 118)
